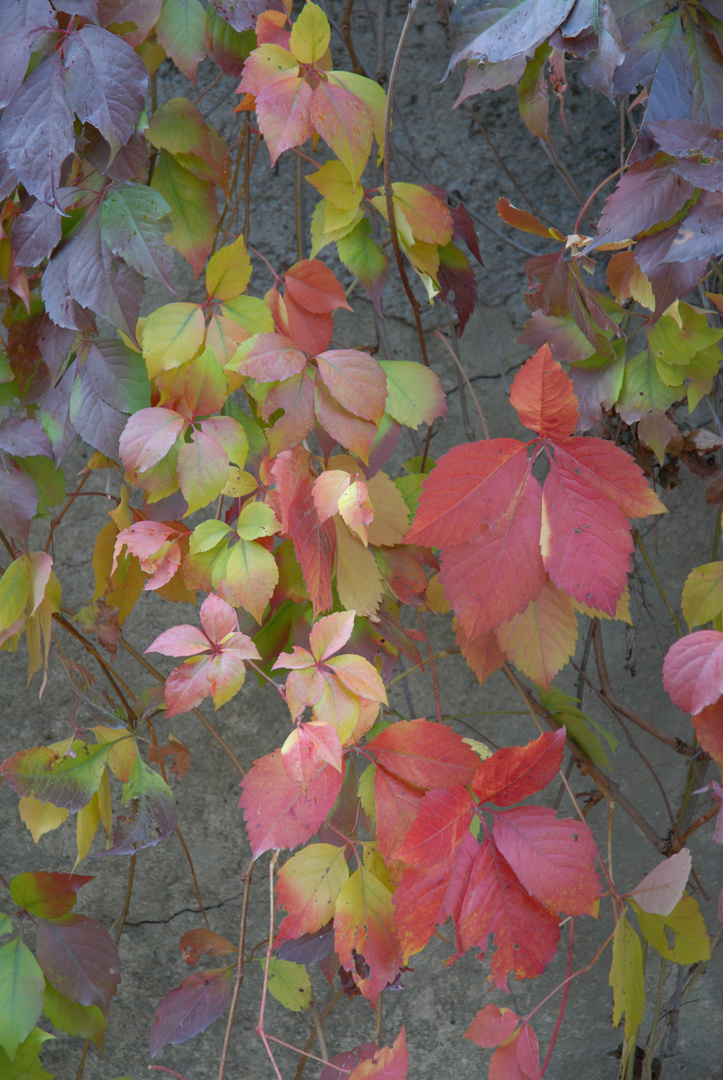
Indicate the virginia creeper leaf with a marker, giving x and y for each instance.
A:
(47, 895)
(443, 819)
(79, 958)
(424, 754)
(21, 994)
(661, 890)
(308, 885)
(65, 779)
(364, 934)
(181, 30)
(134, 219)
(693, 670)
(191, 1007)
(197, 943)
(686, 926)
(514, 772)
(626, 979)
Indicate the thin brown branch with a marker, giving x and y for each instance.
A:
(239, 974)
(71, 499)
(113, 678)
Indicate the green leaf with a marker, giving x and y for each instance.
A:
(86, 1021)
(362, 256)
(228, 47)
(251, 313)
(255, 520)
(685, 923)
(246, 576)
(14, 592)
(289, 984)
(46, 895)
(22, 985)
(202, 470)
(65, 779)
(27, 1064)
(172, 335)
(578, 725)
(6, 924)
(366, 793)
(228, 271)
(414, 393)
(49, 482)
(193, 210)
(181, 30)
(208, 535)
(627, 979)
(643, 389)
(133, 222)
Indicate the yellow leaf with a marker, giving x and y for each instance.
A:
(228, 271)
(542, 638)
(626, 979)
(122, 757)
(87, 826)
(14, 592)
(622, 611)
(687, 927)
(239, 483)
(100, 461)
(40, 817)
(436, 600)
(702, 596)
(310, 34)
(375, 864)
(358, 580)
(173, 335)
(391, 517)
(333, 181)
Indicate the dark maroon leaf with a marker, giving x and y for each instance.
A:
(105, 82)
(97, 422)
(347, 1061)
(21, 22)
(36, 130)
(54, 343)
(35, 234)
(98, 280)
(671, 280)
(191, 1007)
(494, 32)
(599, 69)
(129, 165)
(79, 958)
(703, 45)
(649, 193)
(141, 14)
(242, 14)
(700, 234)
(457, 285)
(18, 499)
(309, 948)
(463, 229)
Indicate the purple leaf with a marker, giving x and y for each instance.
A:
(55, 415)
(671, 281)
(142, 14)
(106, 83)
(8, 179)
(54, 343)
(80, 960)
(35, 234)
(494, 32)
(36, 130)
(242, 14)
(97, 422)
(348, 1060)
(20, 23)
(700, 234)
(55, 292)
(308, 948)
(153, 816)
(659, 61)
(118, 375)
(23, 437)
(87, 8)
(100, 281)
(649, 193)
(191, 1007)
(18, 499)
(134, 220)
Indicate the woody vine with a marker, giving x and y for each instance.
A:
(250, 448)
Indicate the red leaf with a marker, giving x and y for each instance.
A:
(314, 287)
(397, 805)
(514, 772)
(424, 754)
(525, 933)
(443, 819)
(492, 1026)
(283, 111)
(197, 943)
(544, 397)
(708, 724)
(46, 895)
(79, 958)
(693, 670)
(427, 897)
(554, 860)
(518, 1058)
(585, 540)
(311, 332)
(191, 1007)
(482, 653)
(469, 486)
(388, 1063)
(278, 813)
(176, 750)
(348, 1060)
(314, 544)
(493, 577)
(364, 935)
(612, 472)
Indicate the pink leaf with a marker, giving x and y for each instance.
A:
(518, 1058)
(356, 380)
(148, 436)
(388, 1063)
(330, 633)
(218, 618)
(693, 670)
(278, 813)
(268, 358)
(183, 640)
(662, 888)
(612, 471)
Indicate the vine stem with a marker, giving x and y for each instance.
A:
(659, 585)
(269, 946)
(561, 1013)
(463, 373)
(239, 974)
(56, 520)
(568, 978)
(310, 1041)
(432, 668)
(388, 192)
(590, 198)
